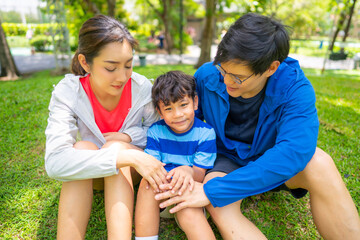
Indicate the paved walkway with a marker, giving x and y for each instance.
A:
(41, 61)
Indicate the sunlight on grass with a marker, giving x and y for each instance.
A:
(343, 103)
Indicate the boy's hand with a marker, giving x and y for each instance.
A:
(117, 136)
(180, 178)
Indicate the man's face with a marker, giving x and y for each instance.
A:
(240, 80)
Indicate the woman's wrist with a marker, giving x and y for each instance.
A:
(125, 158)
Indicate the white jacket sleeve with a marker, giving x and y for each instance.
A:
(62, 161)
(138, 133)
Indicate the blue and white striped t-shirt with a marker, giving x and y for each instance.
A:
(195, 147)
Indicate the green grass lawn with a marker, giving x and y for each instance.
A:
(29, 198)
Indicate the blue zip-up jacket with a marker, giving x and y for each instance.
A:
(285, 137)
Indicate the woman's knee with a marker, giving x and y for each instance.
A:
(77, 191)
(85, 145)
(120, 145)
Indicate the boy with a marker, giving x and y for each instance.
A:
(186, 145)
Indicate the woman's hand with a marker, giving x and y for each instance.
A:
(150, 168)
(180, 179)
(195, 198)
(117, 136)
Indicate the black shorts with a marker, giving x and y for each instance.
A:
(226, 165)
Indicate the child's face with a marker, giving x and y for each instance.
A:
(179, 116)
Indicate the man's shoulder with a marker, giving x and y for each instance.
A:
(206, 70)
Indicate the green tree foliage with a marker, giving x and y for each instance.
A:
(158, 15)
(305, 17)
(78, 11)
(10, 17)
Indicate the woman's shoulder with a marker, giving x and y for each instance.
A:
(70, 81)
(67, 88)
(140, 79)
(141, 85)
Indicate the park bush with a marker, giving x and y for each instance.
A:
(41, 43)
(14, 29)
(19, 29)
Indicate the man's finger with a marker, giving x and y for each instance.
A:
(171, 201)
(164, 195)
(178, 207)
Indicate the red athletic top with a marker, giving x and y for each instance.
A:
(105, 120)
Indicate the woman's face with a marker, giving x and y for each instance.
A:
(111, 69)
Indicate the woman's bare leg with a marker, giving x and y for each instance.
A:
(75, 204)
(119, 200)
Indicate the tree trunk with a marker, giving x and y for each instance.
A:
(207, 34)
(9, 70)
(91, 7)
(166, 20)
(111, 7)
(347, 28)
(338, 28)
(165, 17)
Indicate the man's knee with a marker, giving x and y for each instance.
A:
(320, 170)
(222, 214)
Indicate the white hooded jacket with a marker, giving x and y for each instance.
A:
(71, 119)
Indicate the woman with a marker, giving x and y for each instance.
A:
(96, 128)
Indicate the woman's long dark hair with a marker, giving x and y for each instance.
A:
(96, 33)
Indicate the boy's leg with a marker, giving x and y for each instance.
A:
(147, 212)
(194, 224)
(229, 219)
(333, 210)
(75, 204)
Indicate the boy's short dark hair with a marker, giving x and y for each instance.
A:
(256, 41)
(171, 87)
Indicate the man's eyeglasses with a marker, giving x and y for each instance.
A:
(233, 77)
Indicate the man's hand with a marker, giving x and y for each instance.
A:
(195, 198)
(180, 179)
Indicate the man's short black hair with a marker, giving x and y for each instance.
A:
(171, 87)
(256, 41)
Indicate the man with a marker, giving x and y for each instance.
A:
(262, 108)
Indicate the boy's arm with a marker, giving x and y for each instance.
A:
(198, 174)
